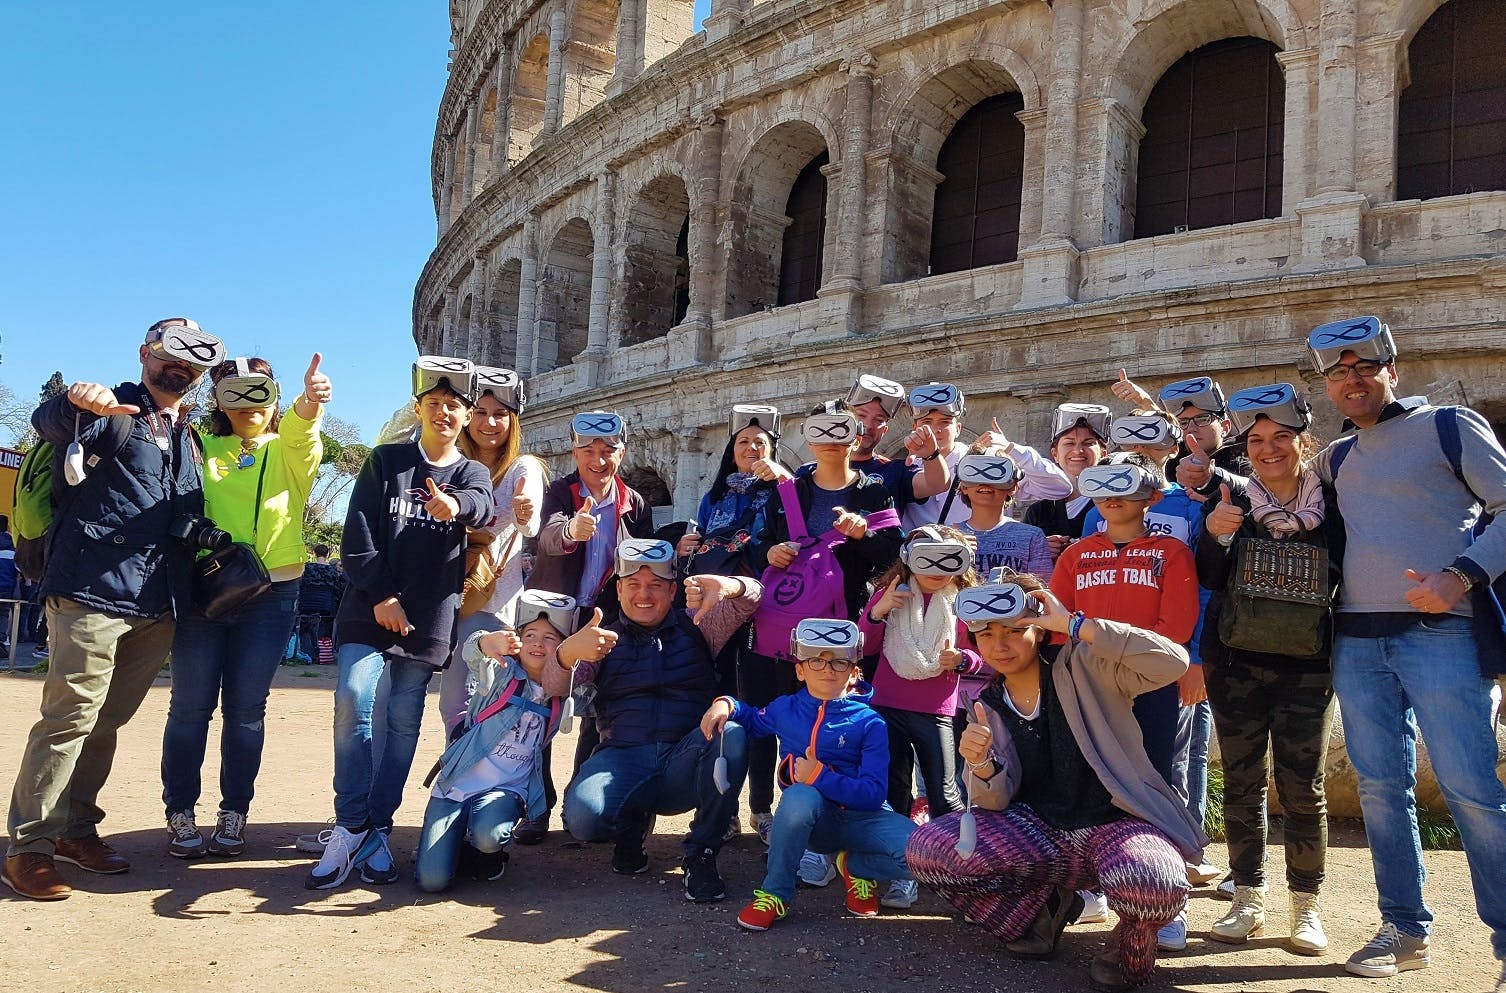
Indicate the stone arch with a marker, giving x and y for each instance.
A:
(428, 341)
(1405, 16)
(462, 345)
(931, 109)
(1169, 29)
(565, 295)
(647, 481)
(757, 212)
(501, 322)
(530, 87)
(656, 264)
(592, 56)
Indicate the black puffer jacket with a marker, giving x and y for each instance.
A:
(656, 684)
(109, 547)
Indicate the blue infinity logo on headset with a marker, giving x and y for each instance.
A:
(949, 561)
(1268, 398)
(1123, 478)
(831, 634)
(937, 396)
(1358, 331)
(835, 431)
(1187, 389)
(991, 472)
(1002, 604)
(496, 378)
(1144, 432)
(558, 603)
(257, 393)
(656, 551)
(586, 424)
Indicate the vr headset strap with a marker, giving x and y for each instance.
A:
(951, 494)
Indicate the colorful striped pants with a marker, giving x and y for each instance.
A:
(1020, 859)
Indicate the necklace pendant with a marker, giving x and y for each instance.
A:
(246, 460)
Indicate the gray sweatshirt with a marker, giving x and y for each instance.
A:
(1404, 508)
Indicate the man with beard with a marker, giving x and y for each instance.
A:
(118, 573)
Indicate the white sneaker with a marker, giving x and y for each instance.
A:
(902, 894)
(345, 850)
(1202, 873)
(815, 869)
(186, 841)
(1095, 908)
(763, 824)
(1244, 920)
(378, 868)
(1308, 937)
(1225, 888)
(313, 844)
(1173, 934)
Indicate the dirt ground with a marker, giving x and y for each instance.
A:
(560, 919)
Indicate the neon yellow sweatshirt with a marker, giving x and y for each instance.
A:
(292, 459)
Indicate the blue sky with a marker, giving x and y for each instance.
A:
(263, 168)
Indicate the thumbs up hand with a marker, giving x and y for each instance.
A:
(1194, 471)
(440, 505)
(522, 507)
(1226, 517)
(582, 527)
(316, 385)
(994, 438)
(591, 643)
(1129, 391)
(977, 741)
(807, 765)
(950, 659)
(1435, 592)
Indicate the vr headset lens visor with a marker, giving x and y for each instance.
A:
(830, 429)
(657, 556)
(1202, 393)
(936, 396)
(818, 636)
(987, 470)
(503, 384)
(1005, 603)
(1278, 401)
(246, 390)
(1141, 429)
(1094, 417)
(1115, 480)
(558, 610)
(433, 371)
(759, 415)
(938, 558)
(187, 343)
(588, 427)
(888, 393)
(1366, 337)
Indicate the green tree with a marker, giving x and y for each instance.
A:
(344, 454)
(53, 386)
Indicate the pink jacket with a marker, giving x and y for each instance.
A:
(934, 695)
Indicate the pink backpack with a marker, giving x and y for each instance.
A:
(811, 586)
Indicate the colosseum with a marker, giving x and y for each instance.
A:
(1016, 196)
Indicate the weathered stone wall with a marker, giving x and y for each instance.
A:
(561, 190)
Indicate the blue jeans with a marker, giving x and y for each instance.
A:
(229, 661)
(619, 789)
(1157, 713)
(485, 821)
(1427, 678)
(1190, 763)
(363, 795)
(874, 840)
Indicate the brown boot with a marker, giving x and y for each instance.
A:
(92, 853)
(1105, 973)
(35, 876)
(1039, 941)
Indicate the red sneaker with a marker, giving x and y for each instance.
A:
(862, 894)
(765, 910)
(920, 811)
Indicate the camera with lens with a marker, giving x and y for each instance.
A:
(200, 534)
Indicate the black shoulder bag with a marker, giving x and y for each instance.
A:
(234, 575)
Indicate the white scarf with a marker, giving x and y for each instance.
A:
(912, 644)
(1273, 514)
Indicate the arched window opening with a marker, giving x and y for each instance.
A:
(976, 220)
(800, 262)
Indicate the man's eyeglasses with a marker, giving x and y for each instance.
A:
(1199, 421)
(820, 664)
(1364, 369)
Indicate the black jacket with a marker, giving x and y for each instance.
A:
(393, 548)
(109, 547)
(863, 560)
(560, 561)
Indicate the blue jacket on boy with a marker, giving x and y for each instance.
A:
(852, 743)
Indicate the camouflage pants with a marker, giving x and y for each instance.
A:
(1265, 713)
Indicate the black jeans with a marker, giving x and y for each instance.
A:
(930, 740)
(760, 680)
